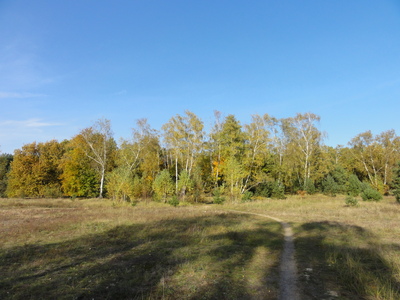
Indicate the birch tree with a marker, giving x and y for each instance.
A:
(100, 146)
(305, 140)
(377, 155)
(183, 136)
(130, 157)
(390, 144)
(367, 151)
(256, 150)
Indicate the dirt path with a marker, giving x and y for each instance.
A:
(288, 269)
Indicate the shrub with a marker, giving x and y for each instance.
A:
(369, 194)
(351, 201)
(396, 183)
(174, 201)
(247, 196)
(52, 191)
(278, 190)
(396, 193)
(309, 187)
(354, 186)
(273, 189)
(330, 186)
(263, 190)
(218, 198)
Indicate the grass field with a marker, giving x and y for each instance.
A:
(348, 252)
(91, 249)
(59, 249)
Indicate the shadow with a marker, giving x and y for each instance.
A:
(191, 258)
(346, 260)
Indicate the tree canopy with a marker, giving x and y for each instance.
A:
(266, 157)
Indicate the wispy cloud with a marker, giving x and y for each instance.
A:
(15, 133)
(30, 123)
(19, 95)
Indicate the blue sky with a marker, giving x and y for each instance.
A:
(65, 64)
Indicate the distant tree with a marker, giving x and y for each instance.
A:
(376, 156)
(256, 153)
(100, 146)
(330, 186)
(304, 142)
(390, 144)
(396, 182)
(232, 138)
(35, 170)
(234, 178)
(227, 153)
(137, 163)
(5, 164)
(79, 177)
(163, 185)
(354, 185)
(185, 184)
(183, 137)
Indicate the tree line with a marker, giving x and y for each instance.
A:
(267, 157)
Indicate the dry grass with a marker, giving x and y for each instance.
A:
(352, 251)
(63, 249)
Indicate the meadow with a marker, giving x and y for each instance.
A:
(95, 249)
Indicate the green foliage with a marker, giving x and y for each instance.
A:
(396, 182)
(5, 165)
(309, 187)
(266, 156)
(351, 201)
(185, 184)
(233, 175)
(263, 190)
(174, 201)
(272, 189)
(120, 184)
(232, 138)
(354, 185)
(163, 185)
(218, 195)
(277, 190)
(330, 187)
(370, 194)
(247, 196)
(341, 177)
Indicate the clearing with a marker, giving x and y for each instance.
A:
(85, 249)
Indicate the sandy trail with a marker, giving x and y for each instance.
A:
(288, 270)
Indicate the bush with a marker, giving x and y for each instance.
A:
(218, 198)
(354, 186)
(396, 183)
(174, 201)
(273, 189)
(369, 194)
(247, 196)
(396, 193)
(278, 190)
(309, 187)
(351, 201)
(52, 191)
(330, 186)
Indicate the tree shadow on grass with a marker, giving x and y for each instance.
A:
(191, 258)
(346, 260)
